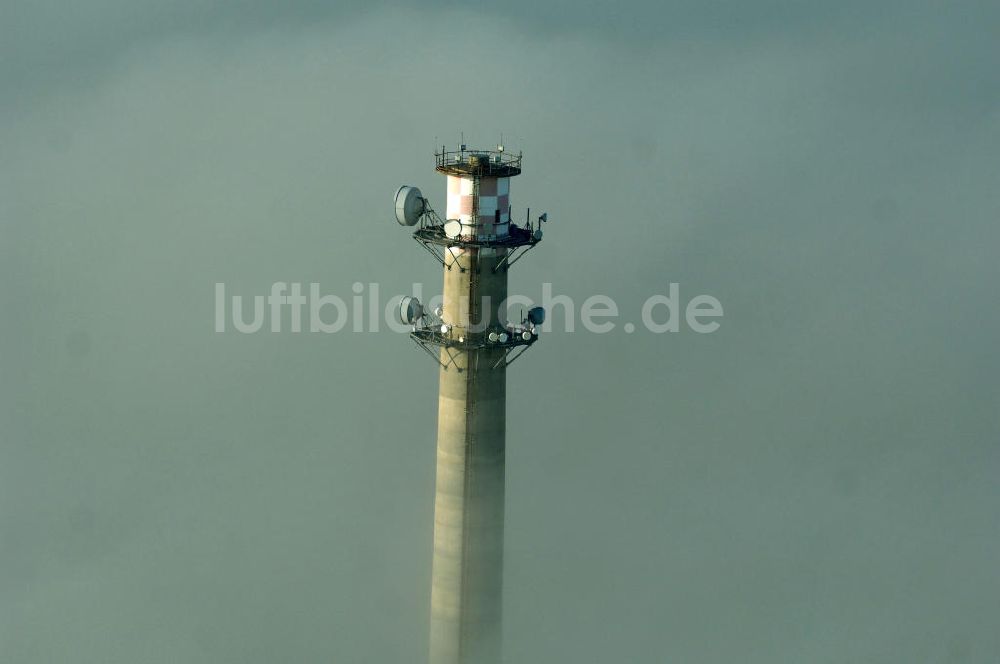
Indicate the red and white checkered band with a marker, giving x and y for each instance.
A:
(494, 194)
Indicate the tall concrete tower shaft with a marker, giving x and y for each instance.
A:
(473, 343)
(467, 576)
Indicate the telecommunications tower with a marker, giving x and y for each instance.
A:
(471, 339)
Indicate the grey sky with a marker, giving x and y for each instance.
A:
(815, 482)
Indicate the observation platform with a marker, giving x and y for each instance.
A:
(517, 236)
(478, 163)
(428, 337)
(473, 340)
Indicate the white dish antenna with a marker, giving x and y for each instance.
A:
(410, 310)
(410, 205)
(453, 228)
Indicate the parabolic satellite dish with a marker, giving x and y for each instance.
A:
(453, 228)
(410, 310)
(536, 315)
(409, 205)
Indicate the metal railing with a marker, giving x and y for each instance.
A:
(484, 162)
